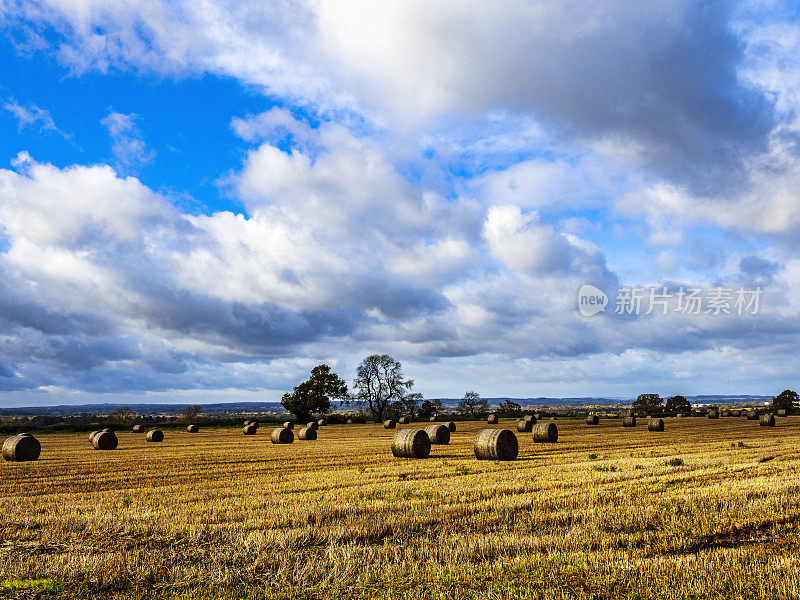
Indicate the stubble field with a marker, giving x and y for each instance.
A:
(606, 512)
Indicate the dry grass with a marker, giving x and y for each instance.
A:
(708, 509)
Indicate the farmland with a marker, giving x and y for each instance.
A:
(706, 509)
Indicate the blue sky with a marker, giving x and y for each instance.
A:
(200, 202)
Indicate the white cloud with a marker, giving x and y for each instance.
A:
(31, 115)
(129, 149)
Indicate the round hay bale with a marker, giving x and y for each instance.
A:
(782, 412)
(402, 421)
(138, 428)
(545, 433)
(679, 415)
(21, 448)
(496, 444)
(524, 426)
(246, 423)
(389, 424)
(280, 435)
(349, 421)
(432, 419)
(322, 422)
(155, 435)
(451, 425)
(307, 433)
(249, 430)
(767, 421)
(312, 425)
(193, 429)
(725, 413)
(713, 414)
(629, 422)
(592, 420)
(492, 420)
(288, 425)
(105, 440)
(438, 434)
(92, 434)
(752, 415)
(411, 443)
(655, 425)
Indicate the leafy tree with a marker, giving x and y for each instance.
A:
(473, 405)
(786, 400)
(121, 415)
(678, 404)
(508, 409)
(314, 395)
(648, 404)
(190, 412)
(379, 383)
(430, 408)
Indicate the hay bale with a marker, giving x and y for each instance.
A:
(155, 435)
(629, 422)
(438, 434)
(492, 420)
(451, 425)
(402, 421)
(545, 433)
(249, 430)
(767, 421)
(592, 420)
(138, 428)
(432, 419)
(496, 444)
(281, 435)
(389, 424)
(524, 426)
(679, 415)
(322, 422)
(246, 423)
(782, 412)
(307, 433)
(193, 429)
(92, 434)
(312, 425)
(105, 440)
(725, 413)
(713, 414)
(349, 421)
(288, 425)
(22, 447)
(655, 425)
(411, 443)
(752, 415)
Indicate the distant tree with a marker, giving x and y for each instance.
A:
(313, 396)
(430, 408)
(648, 404)
(410, 405)
(121, 415)
(509, 409)
(379, 384)
(473, 405)
(678, 404)
(190, 412)
(786, 400)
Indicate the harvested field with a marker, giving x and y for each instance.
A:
(708, 509)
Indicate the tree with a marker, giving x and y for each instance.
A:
(379, 383)
(121, 415)
(473, 405)
(430, 408)
(507, 409)
(410, 405)
(314, 395)
(190, 412)
(786, 400)
(678, 404)
(648, 404)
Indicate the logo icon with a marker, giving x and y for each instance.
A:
(591, 300)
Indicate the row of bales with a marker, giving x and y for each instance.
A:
(490, 444)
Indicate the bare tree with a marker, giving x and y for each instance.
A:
(379, 383)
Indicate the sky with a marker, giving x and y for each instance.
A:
(201, 201)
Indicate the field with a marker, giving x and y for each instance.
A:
(707, 509)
